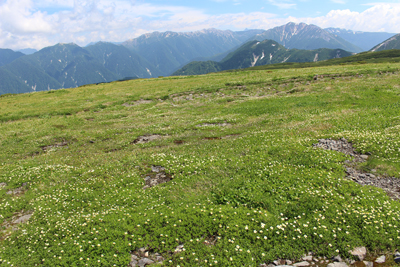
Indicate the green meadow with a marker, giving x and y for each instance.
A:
(246, 184)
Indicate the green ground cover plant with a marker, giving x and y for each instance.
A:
(247, 185)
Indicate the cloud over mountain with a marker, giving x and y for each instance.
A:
(36, 24)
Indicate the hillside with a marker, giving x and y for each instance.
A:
(69, 65)
(391, 43)
(257, 53)
(364, 40)
(230, 169)
(307, 37)
(8, 56)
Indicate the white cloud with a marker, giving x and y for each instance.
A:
(283, 4)
(23, 25)
(381, 17)
(338, 1)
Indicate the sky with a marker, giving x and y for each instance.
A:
(41, 23)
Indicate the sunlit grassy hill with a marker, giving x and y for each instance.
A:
(82, 169)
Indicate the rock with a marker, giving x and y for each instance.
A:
(364, 157)
(159, 258)
(263, 265)
(22, 219)
(302, 264)
(397, 259)
(308, 258)
(145, 261)
(337, 259)
(157, 169)
(134, 257)
(133, 263)
(359, 252)
(288, 262)
(368, 264)
(337, 264)
(381, 259)
(279, 262)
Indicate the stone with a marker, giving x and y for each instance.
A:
(302, 264)
(359, 252)
(134, 257)
(364, 157)
(308, 258)
(337, 259)
(381, 259)
(159, 258)
(279, 262)
(22, 219)
(397, 259)
(289, 262)
(337, 264)
(145, 261)
(133, 263)
(368, 264)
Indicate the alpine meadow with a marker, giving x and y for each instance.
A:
(238, 168)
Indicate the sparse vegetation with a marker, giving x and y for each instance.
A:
(246, 184)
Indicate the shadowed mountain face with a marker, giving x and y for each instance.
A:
(8, 56)
(391, 43)
(169, 50)
(256, 53)
(68, 65)
(303, 36)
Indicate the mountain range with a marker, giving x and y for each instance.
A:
(364, 40)
(255, 53)
(308, 37)
(161, 54)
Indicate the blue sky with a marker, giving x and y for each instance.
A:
(40, 23)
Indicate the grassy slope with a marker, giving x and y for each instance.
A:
(262, 191)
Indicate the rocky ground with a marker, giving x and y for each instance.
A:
(390, 185)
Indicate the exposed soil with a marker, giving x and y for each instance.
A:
(19, 190)
(137, 103)
(146, 138)
(46, 148)
(213, 124)
(156, 177)
(12, 225)
(390, 185)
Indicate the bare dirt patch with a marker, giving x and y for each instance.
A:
(224, 124)
(137, 103)
(390, 185)
(11, 225)
(62, 144)
(146, 138)
(156, 177)
(18, 191)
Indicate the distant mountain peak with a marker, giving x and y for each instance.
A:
(305, 36)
